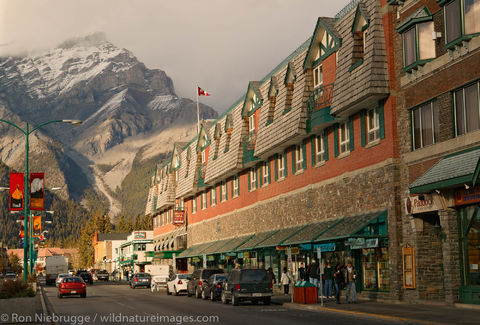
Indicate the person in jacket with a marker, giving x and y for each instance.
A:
(350, 279)
(339, 281)
(271, 276)
(313, 273)
(285, 280)
(302, 273)
(328, 274)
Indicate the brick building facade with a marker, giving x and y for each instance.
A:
(343, 147)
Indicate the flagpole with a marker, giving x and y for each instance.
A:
(198, 113)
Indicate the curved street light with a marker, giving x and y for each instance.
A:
(27, 244)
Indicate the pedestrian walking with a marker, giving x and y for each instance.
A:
(339, 281)
(285, 280)
(350, 279)
(271, 276)
(328, 274)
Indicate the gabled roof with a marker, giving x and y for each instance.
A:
(203, 139)
(328, 25)
(254, 95)
(361, 12)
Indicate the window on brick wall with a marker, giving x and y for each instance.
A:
(223, 189)
(204, 200)
(426, 125)
(298, 158)
(265, 173)
(373, 125)
(319, 149)
(344, 138)
(236, 186)
(213, 195)
(280, 166)
(317, 77)
(462, 18)
(467, 108)
(194, 204)
(253, 179)
(418, 45)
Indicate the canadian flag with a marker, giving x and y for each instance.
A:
(202, 92)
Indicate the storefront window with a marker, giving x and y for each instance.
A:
(375, 269)
(473, 239)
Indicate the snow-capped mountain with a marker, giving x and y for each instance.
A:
(93, 80)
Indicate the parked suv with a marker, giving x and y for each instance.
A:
(194, 286)
(248, 284)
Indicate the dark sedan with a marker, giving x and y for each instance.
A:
(140, 280)
(212, 288)
(87, 277)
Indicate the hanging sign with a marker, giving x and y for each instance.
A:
(37, 191)
(420, 204)
(329, 247)
(37, 226)
(16, 191)
(178, 217)
(139, 235)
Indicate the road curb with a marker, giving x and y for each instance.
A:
(42, 300)
(358, 313)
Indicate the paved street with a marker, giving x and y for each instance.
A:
(106, 301)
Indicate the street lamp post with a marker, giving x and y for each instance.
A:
(26, 207)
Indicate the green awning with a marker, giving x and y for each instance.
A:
(165, 254)
(257, 239)
(232, 245)
(451, 171)
(195, 250)
(217, 246)
(309, 233)
(367, 225)
(280, 236)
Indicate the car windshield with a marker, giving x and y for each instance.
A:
(184, 276)
(72, 280)
(63, 275)
(253, 276)
(207, 273)
(142, 275)
(221, 277)
(102, 271)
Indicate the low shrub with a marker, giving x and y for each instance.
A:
(15, 289)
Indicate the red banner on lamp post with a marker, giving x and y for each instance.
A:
(37, 191)
(37, 226)
(16, 191)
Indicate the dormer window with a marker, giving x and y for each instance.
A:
(359, 33)
(217, 136)
(204, 159)
(272, 96)
(251, 123)
(290, 78)
(228, 132)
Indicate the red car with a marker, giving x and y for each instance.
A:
(72, 285)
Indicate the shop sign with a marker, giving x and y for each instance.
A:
(210, 258)
(195, 259)
(359, 243)
(246, 255)
(140, 235)
(178, 217)
(420, 204)
(472, 195)
(295, 250)
(329, 247)
(281, 248)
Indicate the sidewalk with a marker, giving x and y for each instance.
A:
(411, 313)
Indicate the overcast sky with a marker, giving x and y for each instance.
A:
(219, 44)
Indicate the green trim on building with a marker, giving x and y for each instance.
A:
(355, 65)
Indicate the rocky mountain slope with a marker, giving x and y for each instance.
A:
(121, 102)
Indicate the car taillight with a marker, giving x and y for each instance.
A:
(199, 283)
(271, 286)
(219, 286)
(62, 285)
(238, 287)
(179, 281)
(83, 285)
(136, 280)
